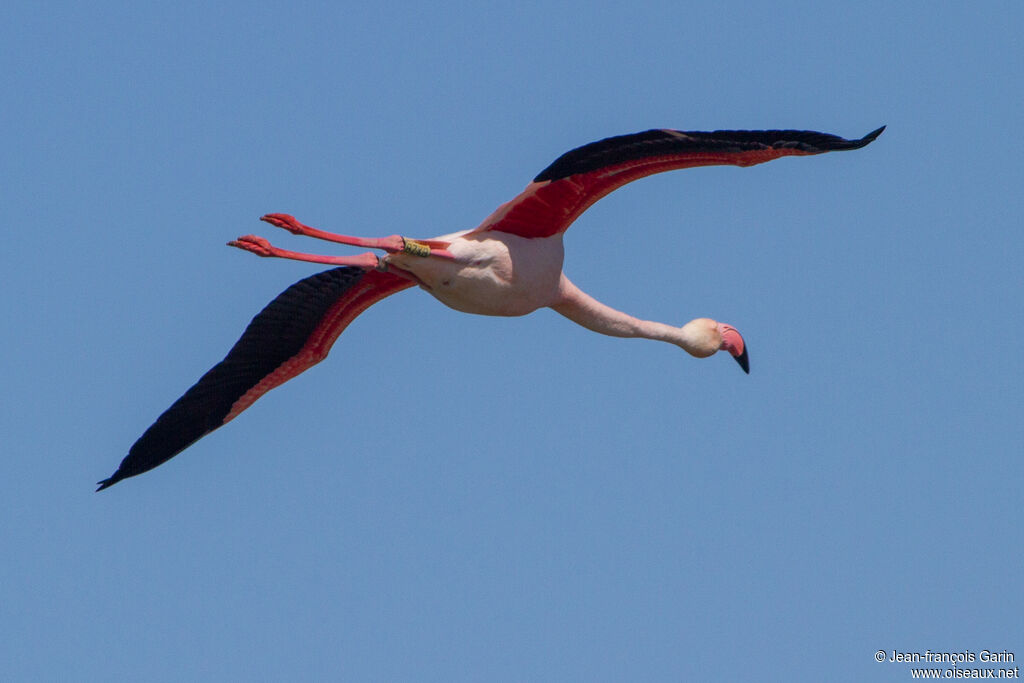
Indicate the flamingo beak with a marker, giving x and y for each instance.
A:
(733, 342)
(743, 360)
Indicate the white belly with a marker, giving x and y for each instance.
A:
(493, 273)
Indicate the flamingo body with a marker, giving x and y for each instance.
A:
(510, 265)
(492, 273)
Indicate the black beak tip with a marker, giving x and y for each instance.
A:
(743, 360)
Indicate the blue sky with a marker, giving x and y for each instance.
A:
(450, 497)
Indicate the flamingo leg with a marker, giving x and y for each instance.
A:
(392, 244)
(261, 247)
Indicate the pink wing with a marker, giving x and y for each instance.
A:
(577, 179)
(293, 333)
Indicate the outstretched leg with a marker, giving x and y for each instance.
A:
(261, 247)
(391, 244)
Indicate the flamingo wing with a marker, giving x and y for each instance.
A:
(577, 179)
(293, 333)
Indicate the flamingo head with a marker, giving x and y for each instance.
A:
(705, 337)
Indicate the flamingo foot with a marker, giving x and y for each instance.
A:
(254, 244)
(286, 222)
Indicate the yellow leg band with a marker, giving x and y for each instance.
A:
(415, 248)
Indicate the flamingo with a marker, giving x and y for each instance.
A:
(509, 265)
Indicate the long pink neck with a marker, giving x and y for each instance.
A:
(587, 311)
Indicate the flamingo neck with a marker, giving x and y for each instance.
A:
(587, 311)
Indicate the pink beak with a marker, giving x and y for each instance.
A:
(733, 342)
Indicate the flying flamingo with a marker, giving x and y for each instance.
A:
(510, 265)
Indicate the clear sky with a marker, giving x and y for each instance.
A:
(450, 497)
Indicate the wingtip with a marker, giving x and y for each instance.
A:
(108, 482)
(870, 137)
(835, 143)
